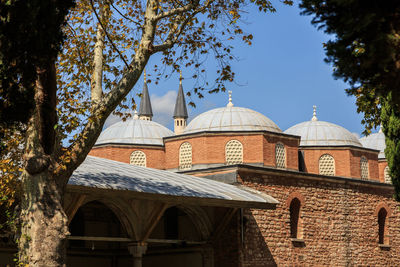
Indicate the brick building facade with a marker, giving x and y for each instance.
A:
(335, 199)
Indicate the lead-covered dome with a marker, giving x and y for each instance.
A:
(375, 141)
(231, 118)
(322, 133)
(134, 131)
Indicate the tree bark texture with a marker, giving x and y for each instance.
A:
(43, 221)
(44, 229)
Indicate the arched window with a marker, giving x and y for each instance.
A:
(138, 158)
(295, 220)
(327, 165)
(233, 152)
(383, 238)
(280, 155)
(364, 168)
(185, 156)
(386, 175)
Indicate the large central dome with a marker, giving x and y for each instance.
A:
(231, 118)
(134, 131)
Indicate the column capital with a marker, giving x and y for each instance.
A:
(137, 249)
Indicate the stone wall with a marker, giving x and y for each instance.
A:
(339, 220)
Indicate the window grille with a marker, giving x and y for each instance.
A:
(185, 156)
(386, 175)
(138, 158)
(364, 168)
(233, 152)
(327, 165)
(280, 155)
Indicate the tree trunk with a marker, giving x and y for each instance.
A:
(44, 228)
(42, 240)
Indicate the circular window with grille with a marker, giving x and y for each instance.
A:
(327, 165)
(280, 155)
(185, 156)
(386, 175)
(364, 168)
(233, 152)
(138, 158)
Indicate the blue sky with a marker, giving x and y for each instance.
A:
(282, 75)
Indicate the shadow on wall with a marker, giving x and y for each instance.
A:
(256, 252)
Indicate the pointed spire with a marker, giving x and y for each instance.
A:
(230, 104)
(380, 128)
(314, 117)
(180, 105)
(145, 110)
(135, 115)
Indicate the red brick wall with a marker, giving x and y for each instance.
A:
(340, 224)
(291, 150)
(342, 160)
(381, 166)
(372, 158)
(210, 149)
(347, 161)
(155, 157)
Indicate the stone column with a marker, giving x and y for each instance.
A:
(208, 256)
(137, 250)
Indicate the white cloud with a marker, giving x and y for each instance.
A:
(163, 107)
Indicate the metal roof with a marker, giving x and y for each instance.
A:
(145, 103)
(231, 118)
(322, 133)
(102, 173)
(134, 131)
(180, 105)
(375, 141)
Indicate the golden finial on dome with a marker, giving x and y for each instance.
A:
(230, 104)
(144, 74)
(314, 117)
(180, 76)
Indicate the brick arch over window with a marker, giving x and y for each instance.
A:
(385, 206)
(326, 165)
(386, 175)
(185, 156)
(233, 152)
(280, 155)
(138, 158)
(364, 168)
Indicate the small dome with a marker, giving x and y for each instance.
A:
(231, 118)
(375, 141)
(134, 131)
(322, 133)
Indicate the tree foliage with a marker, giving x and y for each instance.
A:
(108, 44)
(30, 34)
(365, 52)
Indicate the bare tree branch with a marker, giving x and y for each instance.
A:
(78, 150)
(175, 11)
(97, 76)
(108, 36)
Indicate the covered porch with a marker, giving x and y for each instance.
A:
(124, 215)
